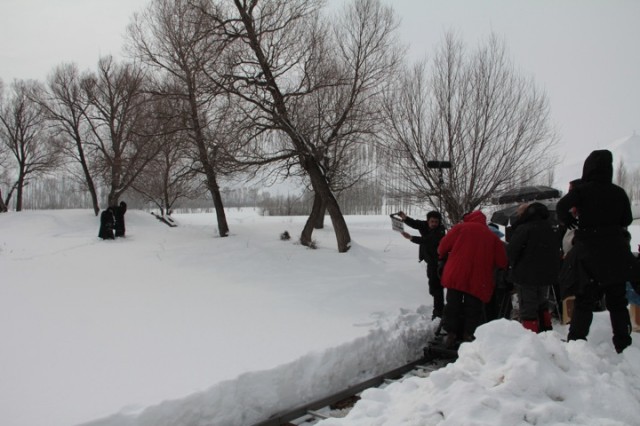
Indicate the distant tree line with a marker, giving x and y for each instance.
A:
(629, 179)
(215, 90)
(65, 193)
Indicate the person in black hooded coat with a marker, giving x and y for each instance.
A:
(534, 256)
(600, 262)
(119, 212)
(106, 224)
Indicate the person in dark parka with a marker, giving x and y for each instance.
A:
(600, 262)
(534, 256)
(106, 224)
(431, 232)
(500, 305)
(119, 212)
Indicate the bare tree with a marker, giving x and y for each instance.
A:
(628, 178)
(3, 161)
(24, 135)
(634, 185)
(622, 175)
(123, 130)
(172, 37)
(3, 206)
(284, 61)
(363, 57)
(474, 110)
(65, 105)
(170, 176)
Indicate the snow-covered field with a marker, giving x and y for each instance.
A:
(177, 327)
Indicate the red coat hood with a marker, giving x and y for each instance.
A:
(475, 216)
(473, 252)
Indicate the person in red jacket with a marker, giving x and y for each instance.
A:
(472, 254)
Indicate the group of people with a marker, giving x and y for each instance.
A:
(112, 222)
(469, 259)
(462, 260)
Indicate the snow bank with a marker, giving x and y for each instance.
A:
(511, 376)
(255, 396)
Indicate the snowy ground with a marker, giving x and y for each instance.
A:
(174, 326)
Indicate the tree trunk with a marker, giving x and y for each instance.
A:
(7, 201)
(94, 198)
(88, 179)
(312, 220)
(112, 200)
(3, 206)
(19, 192)
(321, 187)
(319, 219)
(216, 196)
(223, 227)
(210, 173)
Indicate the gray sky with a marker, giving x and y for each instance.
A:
(584, 53)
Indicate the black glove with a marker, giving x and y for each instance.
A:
(441, 263)
(573, 223)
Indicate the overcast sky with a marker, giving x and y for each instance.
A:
(584, 53)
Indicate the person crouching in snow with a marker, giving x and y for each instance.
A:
(106, 224)
(473, 252)
(534, 255)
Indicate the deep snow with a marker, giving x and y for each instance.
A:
(175, 326)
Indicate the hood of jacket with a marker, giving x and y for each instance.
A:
(475, 216)
(598, 167)
(535, 211)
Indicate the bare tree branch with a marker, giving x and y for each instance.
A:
(474, 110)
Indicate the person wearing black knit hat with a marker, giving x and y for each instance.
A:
(431, 232)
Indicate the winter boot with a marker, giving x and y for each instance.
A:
(531, 325)
(580, 322)
(620, 323)
(620, 342)
(450, 341)
(545, 321)
(437, 313)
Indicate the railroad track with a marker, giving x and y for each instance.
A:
(339, 404)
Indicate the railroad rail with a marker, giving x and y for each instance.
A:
(343, 400)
